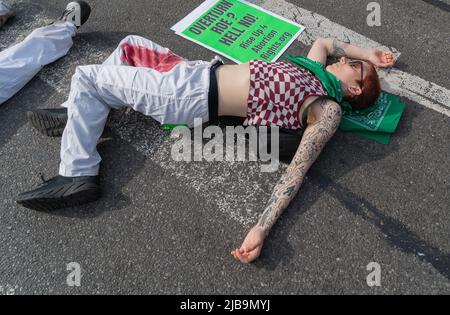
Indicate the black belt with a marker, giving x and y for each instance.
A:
(213, 95)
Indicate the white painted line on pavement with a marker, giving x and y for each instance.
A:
(393, 81)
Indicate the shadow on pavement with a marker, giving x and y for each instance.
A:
(343, 154)
(398, 235)
(121, 163)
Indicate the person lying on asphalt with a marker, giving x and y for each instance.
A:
(153, 80)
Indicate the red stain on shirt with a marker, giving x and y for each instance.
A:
(139, 56)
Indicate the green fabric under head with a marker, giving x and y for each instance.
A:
(375, 123)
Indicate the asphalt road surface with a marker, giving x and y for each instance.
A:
(164, 227)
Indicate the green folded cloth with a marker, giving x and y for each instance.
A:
(376, 123)
(170, 127)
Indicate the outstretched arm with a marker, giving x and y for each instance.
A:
(329, 47)
(328, 117)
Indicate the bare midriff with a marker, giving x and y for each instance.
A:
(234, 88)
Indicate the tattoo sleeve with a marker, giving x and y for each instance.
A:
(338, 49)
(314, 140)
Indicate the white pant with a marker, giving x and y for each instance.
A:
(139, 74)
(21, 62)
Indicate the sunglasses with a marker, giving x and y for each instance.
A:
(354, 63)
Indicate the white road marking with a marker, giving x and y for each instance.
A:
(393, 81)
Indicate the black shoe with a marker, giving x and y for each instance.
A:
(50, 121)
(61, 192)
(76, 12)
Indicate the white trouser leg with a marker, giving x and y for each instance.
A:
(177, 96)
(131, 51)
(87, 117)
(137, 51)
(21, 62)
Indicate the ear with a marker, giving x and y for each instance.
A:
(355, 90)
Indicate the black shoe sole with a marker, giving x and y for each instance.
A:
(49, 125)
(51, 204)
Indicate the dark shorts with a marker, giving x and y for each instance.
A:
(289, 139)
(289, 142)
(213, 94)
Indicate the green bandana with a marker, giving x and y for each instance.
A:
(329, 81)
(375, 123)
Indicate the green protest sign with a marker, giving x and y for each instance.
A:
(239, 30)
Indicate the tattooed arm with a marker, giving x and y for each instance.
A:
(327, 119)
(313, 141)
(329, 47)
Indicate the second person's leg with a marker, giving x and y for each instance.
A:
(21, 62)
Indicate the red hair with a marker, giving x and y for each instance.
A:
(370, 93)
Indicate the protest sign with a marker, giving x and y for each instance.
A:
(239, 30)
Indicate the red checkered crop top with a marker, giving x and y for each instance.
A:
(277, 92)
